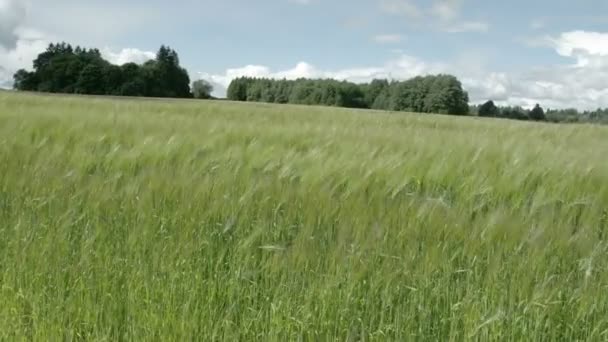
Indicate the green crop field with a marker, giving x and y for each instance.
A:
(160, 220)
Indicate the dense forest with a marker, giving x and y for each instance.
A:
(429, 94)
(64, 69)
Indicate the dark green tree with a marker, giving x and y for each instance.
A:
(301, 92)
(201, 89)
(25, 80)
(444, 95)
(63, 69)
(169, 79)
(489, 109)
(350, 96)
(374, 90)
(113, 79)
(382, 101)
(537, 113)
(91, 80)
(237, 90)
(133, 82)
(429, 94)
(283, 90)
(514, 113)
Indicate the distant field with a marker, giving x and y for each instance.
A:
(185, 220)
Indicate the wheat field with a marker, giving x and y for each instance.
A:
(150, 220)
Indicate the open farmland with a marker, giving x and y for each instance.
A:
(182, 220)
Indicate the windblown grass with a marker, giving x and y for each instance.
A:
(180, 220)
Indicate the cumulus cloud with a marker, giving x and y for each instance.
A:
(29, 44)
(19, 45)
(585, 46)
(128, 55)
(12, 14)
(579, 84)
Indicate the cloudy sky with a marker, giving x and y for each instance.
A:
(518, 52)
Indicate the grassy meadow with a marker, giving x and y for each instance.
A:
(187, 220)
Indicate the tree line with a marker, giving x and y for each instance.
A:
(490, 109)
(64, 69)
(441, 94)
(571, 115)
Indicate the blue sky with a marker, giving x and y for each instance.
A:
(514, 52)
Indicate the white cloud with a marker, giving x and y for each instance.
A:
(579, 84)
(446, 10)
(29, 44)
(128, 55)
(581, 44)
(448, 13)
(388, 38)
(12, 14)
(401, 7)
(19, 45)
(444, 15)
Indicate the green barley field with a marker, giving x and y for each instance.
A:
(151, 220)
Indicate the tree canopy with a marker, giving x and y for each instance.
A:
(538, 113)
(426, 94)
(489, 109)
(64, 69)
(202, 89)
